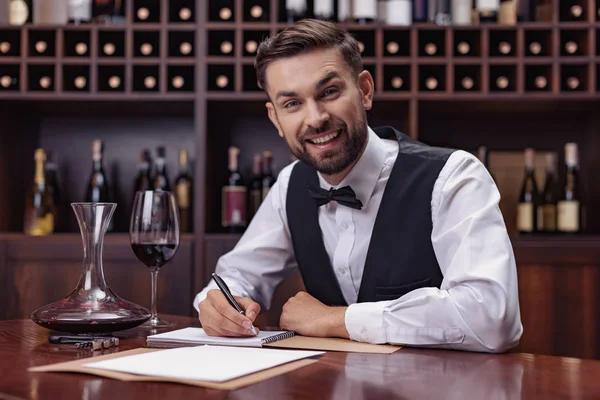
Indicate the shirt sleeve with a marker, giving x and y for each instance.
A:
(264, 255)
(477, 305)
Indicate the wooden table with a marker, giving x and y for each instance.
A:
(408, 373)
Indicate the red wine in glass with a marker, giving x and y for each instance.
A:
(154, 237)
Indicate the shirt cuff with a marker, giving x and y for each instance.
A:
(364, 322)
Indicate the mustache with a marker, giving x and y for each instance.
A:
(328, 126)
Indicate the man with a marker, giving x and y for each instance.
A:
(411, 250)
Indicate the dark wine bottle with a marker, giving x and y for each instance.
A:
(268, 178)
(529, 198)
(98, 190)
(51, 172)
(184, 192)
(255, 186)
(233, 193)
(39, 206)
(549, 195)
(569, 206)
(161, 178)
(142, 180)
(295, 10)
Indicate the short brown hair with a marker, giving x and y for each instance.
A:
(305, 36)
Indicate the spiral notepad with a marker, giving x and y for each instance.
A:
(197, 337)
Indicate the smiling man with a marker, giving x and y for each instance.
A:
(397, 241)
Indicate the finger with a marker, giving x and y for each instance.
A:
(223, 307)
(251, 307)
(224, 327)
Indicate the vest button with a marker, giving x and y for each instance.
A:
(342, 271)
(344, 226)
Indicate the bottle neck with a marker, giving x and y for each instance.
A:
(160, 166)
(39, 173)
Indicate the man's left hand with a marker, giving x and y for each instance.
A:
(309, 317)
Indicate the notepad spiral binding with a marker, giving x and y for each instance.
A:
(281, 336)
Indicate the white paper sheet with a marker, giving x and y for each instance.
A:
(198, 336)
(207, 363)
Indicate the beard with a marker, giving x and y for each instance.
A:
(334, 161)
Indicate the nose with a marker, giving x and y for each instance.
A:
(316, 114)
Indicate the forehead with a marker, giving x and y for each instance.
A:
(304, 71)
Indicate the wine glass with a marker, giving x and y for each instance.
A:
(154, 237)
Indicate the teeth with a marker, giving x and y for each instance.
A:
(325, 139)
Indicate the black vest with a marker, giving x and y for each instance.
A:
(400, 256)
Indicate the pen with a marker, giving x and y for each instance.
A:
(223, 286)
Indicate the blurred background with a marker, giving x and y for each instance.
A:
(100, 98)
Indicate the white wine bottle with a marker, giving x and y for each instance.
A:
(529, 198)
(39, 203)
(569, 203)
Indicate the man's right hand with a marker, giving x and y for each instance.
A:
(219, 318)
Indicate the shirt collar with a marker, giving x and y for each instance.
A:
(364, 175)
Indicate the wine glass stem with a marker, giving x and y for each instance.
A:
(154, 287)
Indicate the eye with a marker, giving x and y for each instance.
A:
(330, 92)
(291, 103)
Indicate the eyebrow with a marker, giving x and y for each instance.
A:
(321, 83)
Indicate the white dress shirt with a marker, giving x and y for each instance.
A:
(477, 305)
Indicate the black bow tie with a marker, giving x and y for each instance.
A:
(344, 196)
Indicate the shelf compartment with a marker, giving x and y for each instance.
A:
(181, 44)
(503, 78)
(182, 11)
(111, 78)
(221, 11)
(467, 43)
(146, 44)
(76, 78)
(502, 43)
(180, 78)
(396, 43)
(111, 44)
(146, 78)
(432, 78)
(366, 42)
(432, 43)
(574, 42)
(396, 78)
(256, 10)
(42, 43)
(252, 39)
(10, 76)
(221, 43)
(249, 83)
(76, 43)
(574, 78)
(573, 10)
(538, 78)
(10, 43)
(41, 78)
(467, 78)
(538, 43)
(146, 11)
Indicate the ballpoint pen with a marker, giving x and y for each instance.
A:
(223, 287)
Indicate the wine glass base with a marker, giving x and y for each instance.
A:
(155, 322)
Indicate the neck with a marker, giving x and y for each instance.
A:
(335, 179)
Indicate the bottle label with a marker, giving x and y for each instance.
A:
(568, 216)
(80, 10)
(461, 12)
(365, 9)
(323, 8)
(398, 12)
(488, 5)
(182, 191)
(525, 217)
(508, 13)
(549, 215)
(19, 12)
(36, 225)
(298, 6)
(344, 10)
(234, 206)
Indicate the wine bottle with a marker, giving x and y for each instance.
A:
(344, 13)
(108, 11)
(233, 193)
(184, 192)
(295, 10)
(529, 198)
(569, 204)
(39, 207)
(19, 12)
(268, 178)
(364, 11)
(324, 10)
(98, 190)
(54, 12)
(79, 11)
(543, 11)
(549, 195)
(51, 172)
(161, 178)
(142, 180)
(442, 14)
(487, 10)
(255, 186)
(461, 12)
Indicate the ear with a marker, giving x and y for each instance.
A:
(366, 85)
(273, 117)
